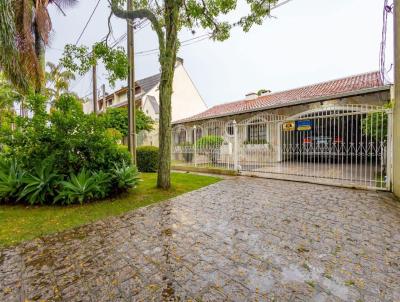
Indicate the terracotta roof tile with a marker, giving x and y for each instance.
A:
(290, 97)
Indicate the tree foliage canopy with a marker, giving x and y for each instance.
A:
(117, 118)
(57, 80)
(80, 59)
(167, 18)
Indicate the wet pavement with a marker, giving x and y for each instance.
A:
(242, 239)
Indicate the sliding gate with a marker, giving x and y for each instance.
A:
(342, 145)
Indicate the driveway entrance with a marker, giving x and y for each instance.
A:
(242, 239)
(348, 145)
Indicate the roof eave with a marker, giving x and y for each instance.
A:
(302, 102)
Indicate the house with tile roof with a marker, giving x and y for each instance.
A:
(345, 90)
(186, 100)
(323, 123)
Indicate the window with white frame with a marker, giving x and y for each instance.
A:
(180, 136)
(198, 132)
(214, 130)
(229, 128)
(257, 132)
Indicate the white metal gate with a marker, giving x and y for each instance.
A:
(347, 145)
(343, 145)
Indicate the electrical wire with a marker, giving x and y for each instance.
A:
(87, 23)
(387, 9)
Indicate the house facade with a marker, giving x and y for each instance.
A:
(185, 101)
(337, 131)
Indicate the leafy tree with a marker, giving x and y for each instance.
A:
(80, 59)
(117, 118)
(57, 80)
(25, 26)
(8, 95)
(168, 17)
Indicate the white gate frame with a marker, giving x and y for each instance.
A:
(274, 154)
(351, 110)
(389, 151)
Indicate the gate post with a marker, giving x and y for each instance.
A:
(235, 146)
(194, 145)
(389, 151)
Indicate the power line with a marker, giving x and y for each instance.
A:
(87, 23)
(280, 4)
(387, 9)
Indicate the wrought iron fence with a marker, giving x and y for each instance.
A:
(344, 145)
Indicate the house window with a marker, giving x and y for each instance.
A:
(214, 130)
(229, 129)
(180, 136)
(257, 132)
(199, 134)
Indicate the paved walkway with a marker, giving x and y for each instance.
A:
(243, 239)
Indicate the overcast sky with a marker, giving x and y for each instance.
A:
(307, 41)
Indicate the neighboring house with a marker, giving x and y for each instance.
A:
(337, 131)
(186, 100)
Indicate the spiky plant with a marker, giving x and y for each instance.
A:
(11, 179)
(25, 26)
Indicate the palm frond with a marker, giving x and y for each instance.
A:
(9, 51)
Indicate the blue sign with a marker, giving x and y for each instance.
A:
(305, 125)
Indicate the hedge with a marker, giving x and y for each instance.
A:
(147, 158)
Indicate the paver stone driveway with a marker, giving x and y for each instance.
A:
(242, 239)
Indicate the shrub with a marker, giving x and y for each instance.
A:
(210, 145)
(75, 140)
(63, 156)
(147, 158)
(40, 186)
(124, 177)
(209, 141)
(103, 181)
(78, 188)
(11, 179)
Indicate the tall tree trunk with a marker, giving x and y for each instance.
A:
(167, 60)
(40, 53)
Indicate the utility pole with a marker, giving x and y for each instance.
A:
(103, 92)
(396, 110)
(94, 78)
(131, 88)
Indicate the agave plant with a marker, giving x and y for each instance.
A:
(11, 179)
(79, 188)
(125, 177)
(103, 181)
(41, 184)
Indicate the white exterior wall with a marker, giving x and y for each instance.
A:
(148, 109)
(88, 107)
(186, 100)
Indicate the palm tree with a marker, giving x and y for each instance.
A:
(25, 26)
(57, 80)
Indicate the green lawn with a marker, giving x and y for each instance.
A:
(19, 223)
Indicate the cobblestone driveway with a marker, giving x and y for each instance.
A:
(242, 239)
